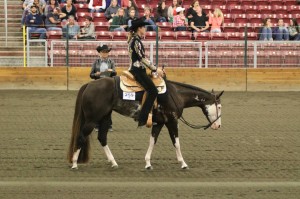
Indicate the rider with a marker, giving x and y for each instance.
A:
(138, 62)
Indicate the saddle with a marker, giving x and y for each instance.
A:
(129, 84)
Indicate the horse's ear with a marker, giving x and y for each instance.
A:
(219, 95)
(212, 91)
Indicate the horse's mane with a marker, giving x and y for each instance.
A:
(189, 86)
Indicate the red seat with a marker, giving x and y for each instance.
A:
(291, 58)
(250, 9)
(99, 17)
(261, 2)
(228, 18)
(256, 27)
(101, 26)
(230, 27)
(54, 34)
(82, 7)
(276, 58)
(202, 36)
(232, 2)
(294, 9)
(104, 35)
(164, 26)
(150, 35)
(262, 59)
(183, 35)
(255, 18)
(242, 27)
(279, 9)
(59, 57)
(227, 59)
(81, 16)
(167, 36)
(250, 36)
(240, 18)
(190, 58)
(119, 36)
(290, 2)
(237, 9)
(74, 58)
(247, 2)
(234, 35)
(265, 9)
(219, 36)
(217, 3)
(276, 2)
(87, 56)
(213, 59)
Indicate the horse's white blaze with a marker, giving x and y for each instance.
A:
(110, 156)
(149, 152)
(214, 112)
(178, 153)
(75, 158)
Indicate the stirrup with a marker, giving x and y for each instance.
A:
(149, 121)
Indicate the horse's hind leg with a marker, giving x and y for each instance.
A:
(82, 151)
(102, 137)
(173, 131)
(153, 138)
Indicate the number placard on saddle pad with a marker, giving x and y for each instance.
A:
(129, 95)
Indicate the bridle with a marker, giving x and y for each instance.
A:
(206, 114)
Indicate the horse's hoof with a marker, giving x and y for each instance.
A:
(149, 168)
(115, 166)
(185, 168)
(74, 168)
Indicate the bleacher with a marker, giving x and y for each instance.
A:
(241, 17)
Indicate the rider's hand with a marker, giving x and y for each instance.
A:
(154, 74)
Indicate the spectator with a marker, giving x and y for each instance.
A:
(281, 32)
(294, 30)
(179, 21)
(119, 21)
(88, 31)
(131, 5)
(199, 22)
(192, 11)
(112, 10)
(50, 7)
(149, 19)
(73, 29)
(266, 30)
(40, 4)
(26, 7)
(69, 9)
(97, 5)
(161, 12)
(108, 2)
(34, 23)
(172, 10)
(103, 67)
(131, 18)
(216, 19)
(53, 19)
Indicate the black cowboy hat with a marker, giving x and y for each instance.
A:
(104, 47)
(33, 6)
(138, 23)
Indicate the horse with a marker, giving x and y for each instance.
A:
(97, 99)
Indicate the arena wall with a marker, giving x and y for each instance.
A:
(63, 78)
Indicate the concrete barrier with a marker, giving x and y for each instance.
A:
(63, 78)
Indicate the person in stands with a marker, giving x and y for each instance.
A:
(34, 23)
(294, 30)
(73, 28)
(112, 10)
(199, 22)
(103, 67)
(119, 22)
(180, 21)
(215, 19)
(97, 5)
(88, 31)
(69, 9)
(265, 33)
(161, 12)
(281, 32)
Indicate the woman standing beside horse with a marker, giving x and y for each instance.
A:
(138, 62)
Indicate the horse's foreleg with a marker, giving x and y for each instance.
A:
(153, 138)
(110, 156)
(179, 155)
(173, 131)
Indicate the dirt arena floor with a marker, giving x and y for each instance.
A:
(255, 154)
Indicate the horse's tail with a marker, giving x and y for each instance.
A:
(78, 121)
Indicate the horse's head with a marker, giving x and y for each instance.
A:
(212, 110)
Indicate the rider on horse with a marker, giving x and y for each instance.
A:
(138, 64)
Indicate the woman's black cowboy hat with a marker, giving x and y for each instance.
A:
(138, 23)
(102, 48)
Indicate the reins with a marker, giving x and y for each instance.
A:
(192, 125)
